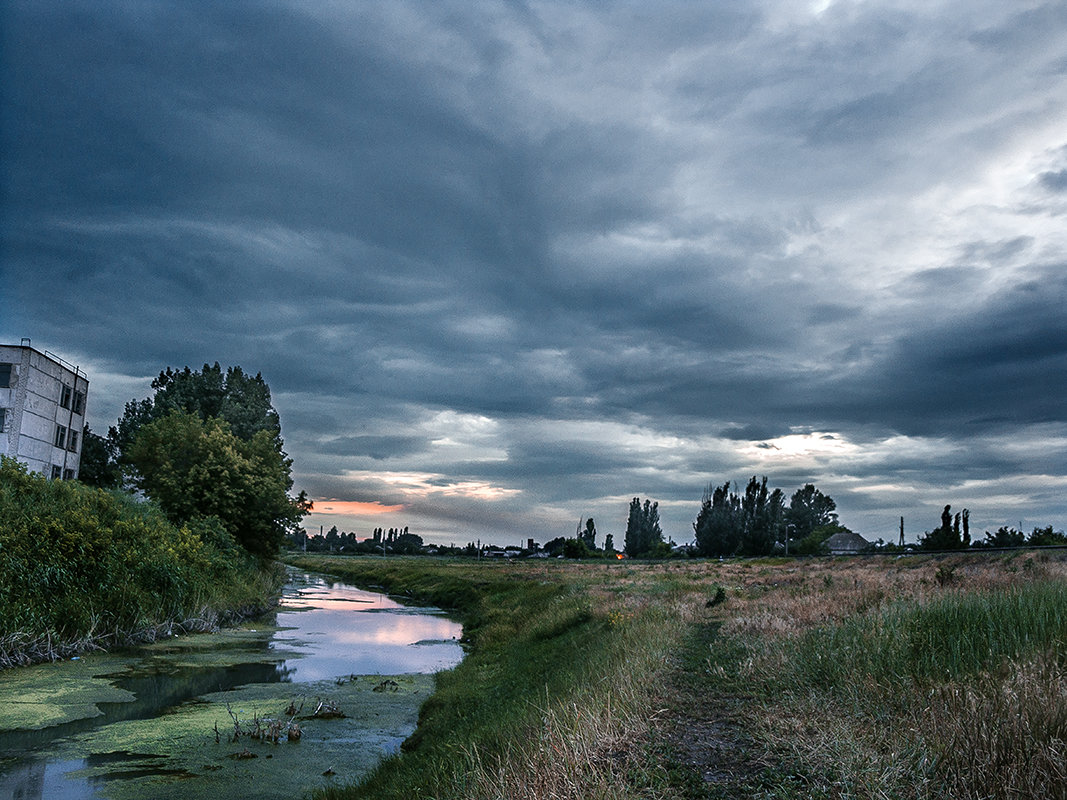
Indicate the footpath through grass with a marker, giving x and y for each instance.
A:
(827, 678)
(82, 568)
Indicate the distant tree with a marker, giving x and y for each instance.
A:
(609, 544)
(575, 548)
(1043, 537)
(588, 535)
(98, 465)
(718, 526)
(644, 537)
(1004, 537)
(762, 516)
(809, 509)
(948, 535)
(197, 468)
(554, 547)
(408, 543)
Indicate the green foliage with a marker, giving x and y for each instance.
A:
(78, 562)
(718, 524)
(588, 535)
(728, 524)
(815, 542)
(242, 401)
(1004, 537)
(98, 466)
(948, 536)
(761, 515)
(643, 533)
(809, 509)
(575, 548)
(197, 468)
(1046, 537)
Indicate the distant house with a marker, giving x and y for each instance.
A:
(42, 410)
(847, 544)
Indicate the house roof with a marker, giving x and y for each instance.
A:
(847, 542)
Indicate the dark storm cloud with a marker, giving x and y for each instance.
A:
(506, 263)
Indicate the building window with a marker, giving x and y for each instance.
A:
(3, 419)
(64, 396)
(61, 436)
(56, 471)
(68, 474)
(5, 376)
(79, 402)
(72, 441)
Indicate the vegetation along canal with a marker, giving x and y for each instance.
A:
(316, 693)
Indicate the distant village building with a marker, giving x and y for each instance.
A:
(42, 410)
(847, 544)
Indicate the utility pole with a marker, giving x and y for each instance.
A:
(902, 531)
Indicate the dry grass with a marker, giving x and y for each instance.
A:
(1003, 737)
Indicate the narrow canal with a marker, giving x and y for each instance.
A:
(316, 693)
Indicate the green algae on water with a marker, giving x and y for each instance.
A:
(47, 695)
(177, 755)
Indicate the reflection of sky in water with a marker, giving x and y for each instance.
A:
(340, 630)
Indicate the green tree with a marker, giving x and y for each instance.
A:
(718, 525)
(1046, 536)
(644, 536)
(407, 543)
(762, 516)
(1004, 537)
(948, 535)
(809, 509)
(575, 548)
(241, 400)
(588, 535)
(609, 544)
(195, 468)
(98, 466)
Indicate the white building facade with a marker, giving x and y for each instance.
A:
(42, 410)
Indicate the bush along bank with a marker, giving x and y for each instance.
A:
(84, 569)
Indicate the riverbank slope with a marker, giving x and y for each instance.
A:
(85, 569)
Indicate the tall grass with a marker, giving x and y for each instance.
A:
(952, 637)
(554, 697)
(908, 685)
(82, 568)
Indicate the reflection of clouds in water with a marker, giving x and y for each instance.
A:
(340, 630)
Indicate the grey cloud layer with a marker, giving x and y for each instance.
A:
(705, 226)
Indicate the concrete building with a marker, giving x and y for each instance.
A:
(42, 410)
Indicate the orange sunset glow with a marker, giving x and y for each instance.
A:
(356, 508)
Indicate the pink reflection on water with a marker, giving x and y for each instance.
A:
(339, 630)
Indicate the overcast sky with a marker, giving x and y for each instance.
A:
(505, 265)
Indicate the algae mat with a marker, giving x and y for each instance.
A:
(180, 755)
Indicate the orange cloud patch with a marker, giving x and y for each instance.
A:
(353, 508)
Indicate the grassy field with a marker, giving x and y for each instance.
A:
(83, 568)
(917, 677)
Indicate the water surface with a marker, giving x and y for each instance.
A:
(158, 721)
